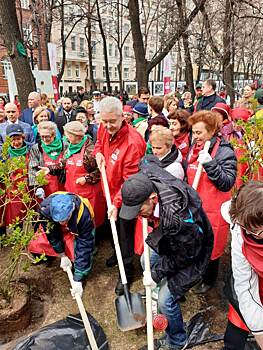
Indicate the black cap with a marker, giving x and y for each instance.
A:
(14, 129)
(135, 190)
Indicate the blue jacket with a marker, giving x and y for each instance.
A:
(84, 239)
(207, 102)
(27, 116)
(29, 136)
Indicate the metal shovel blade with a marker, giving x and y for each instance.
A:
(130, 315)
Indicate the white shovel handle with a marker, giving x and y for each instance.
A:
(200, 168)
(83, 313)
(150, 340)
(113, 227)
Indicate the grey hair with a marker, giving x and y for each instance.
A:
(47, 125)
(110, 105)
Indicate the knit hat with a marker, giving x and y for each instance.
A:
(127, 109)
(75, 128)
(223, 109)
(141, 109)
(198, 86)
(241, 114)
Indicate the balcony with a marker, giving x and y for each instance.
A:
(78, 56)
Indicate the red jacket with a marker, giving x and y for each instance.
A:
(122, 156)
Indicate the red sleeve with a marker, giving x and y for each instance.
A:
(130, 167)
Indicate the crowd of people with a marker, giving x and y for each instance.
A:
(150, 147)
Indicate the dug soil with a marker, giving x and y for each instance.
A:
(52, 301)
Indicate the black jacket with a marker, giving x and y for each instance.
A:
(61, 119)
(171, 157)
(184, 237)
(207, 102)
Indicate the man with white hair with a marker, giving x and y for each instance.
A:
(34, 101)
(119, 148)
(11, 113)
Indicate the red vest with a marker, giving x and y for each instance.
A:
(212, 199)
(76, 169)
(53, 184)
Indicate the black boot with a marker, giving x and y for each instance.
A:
(112, 261)
(119, 289)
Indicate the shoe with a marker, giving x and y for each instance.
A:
(161, 344)
(202, 288)
(119, 289)
(112, 261)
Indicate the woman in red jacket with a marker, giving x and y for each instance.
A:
(180, 129)
(217, 179)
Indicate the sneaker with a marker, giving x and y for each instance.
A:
(112, 261)
(161, 344)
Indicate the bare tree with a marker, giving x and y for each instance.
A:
(12, 38)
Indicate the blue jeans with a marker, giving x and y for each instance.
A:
(175, 332)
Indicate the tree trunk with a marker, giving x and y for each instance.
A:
(142, 73)
(63, 42)
(228, 55)
(88, 35)
(105, 52)
(11, 35)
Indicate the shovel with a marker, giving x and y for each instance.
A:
(200, 168)
(129, 307)
(83, 313)
(150, 339)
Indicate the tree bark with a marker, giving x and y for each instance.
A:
(88, 35)
(11, 35)
(228, 55)
(105, 52)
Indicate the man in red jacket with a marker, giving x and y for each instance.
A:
(119, 147)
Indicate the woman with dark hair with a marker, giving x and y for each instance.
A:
(180, 129)
(2, 101)
(246, 292)
(217, 178)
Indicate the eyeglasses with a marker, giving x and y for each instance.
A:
(46, 137)
(250, 232)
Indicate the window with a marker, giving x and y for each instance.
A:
(104, 72)
(81, 44)
(126, 28)
(77, 70)
(110, 49)
(73, 43)
(126, 51)
(94, 71)
(27, 31)
(94, 50)
(116, 51)
(69, 70)
(126, 73)
(110, 72)
(116, 72)
(6, 66)
(24, 4)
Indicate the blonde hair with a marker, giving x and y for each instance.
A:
(38, 111)
(85, 104)
(159, 132)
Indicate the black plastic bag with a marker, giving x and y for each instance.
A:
(67, 334)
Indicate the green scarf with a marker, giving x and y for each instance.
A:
(72, 149)
(17, 152)
(54, 149)
(136, 121)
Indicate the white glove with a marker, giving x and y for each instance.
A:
(76, 289)
(64, 263)
(204, 157)
(40, 193)
(148, 281)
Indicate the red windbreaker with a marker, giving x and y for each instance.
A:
(122, 156)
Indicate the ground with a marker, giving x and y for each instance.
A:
(52, 301)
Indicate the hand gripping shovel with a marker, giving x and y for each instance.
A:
(200, 168)
(84, 316)
(150, 340)
(129, 307)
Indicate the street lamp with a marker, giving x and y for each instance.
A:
(30, 45)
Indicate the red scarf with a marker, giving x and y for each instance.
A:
(253, 252)
(194, 153)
